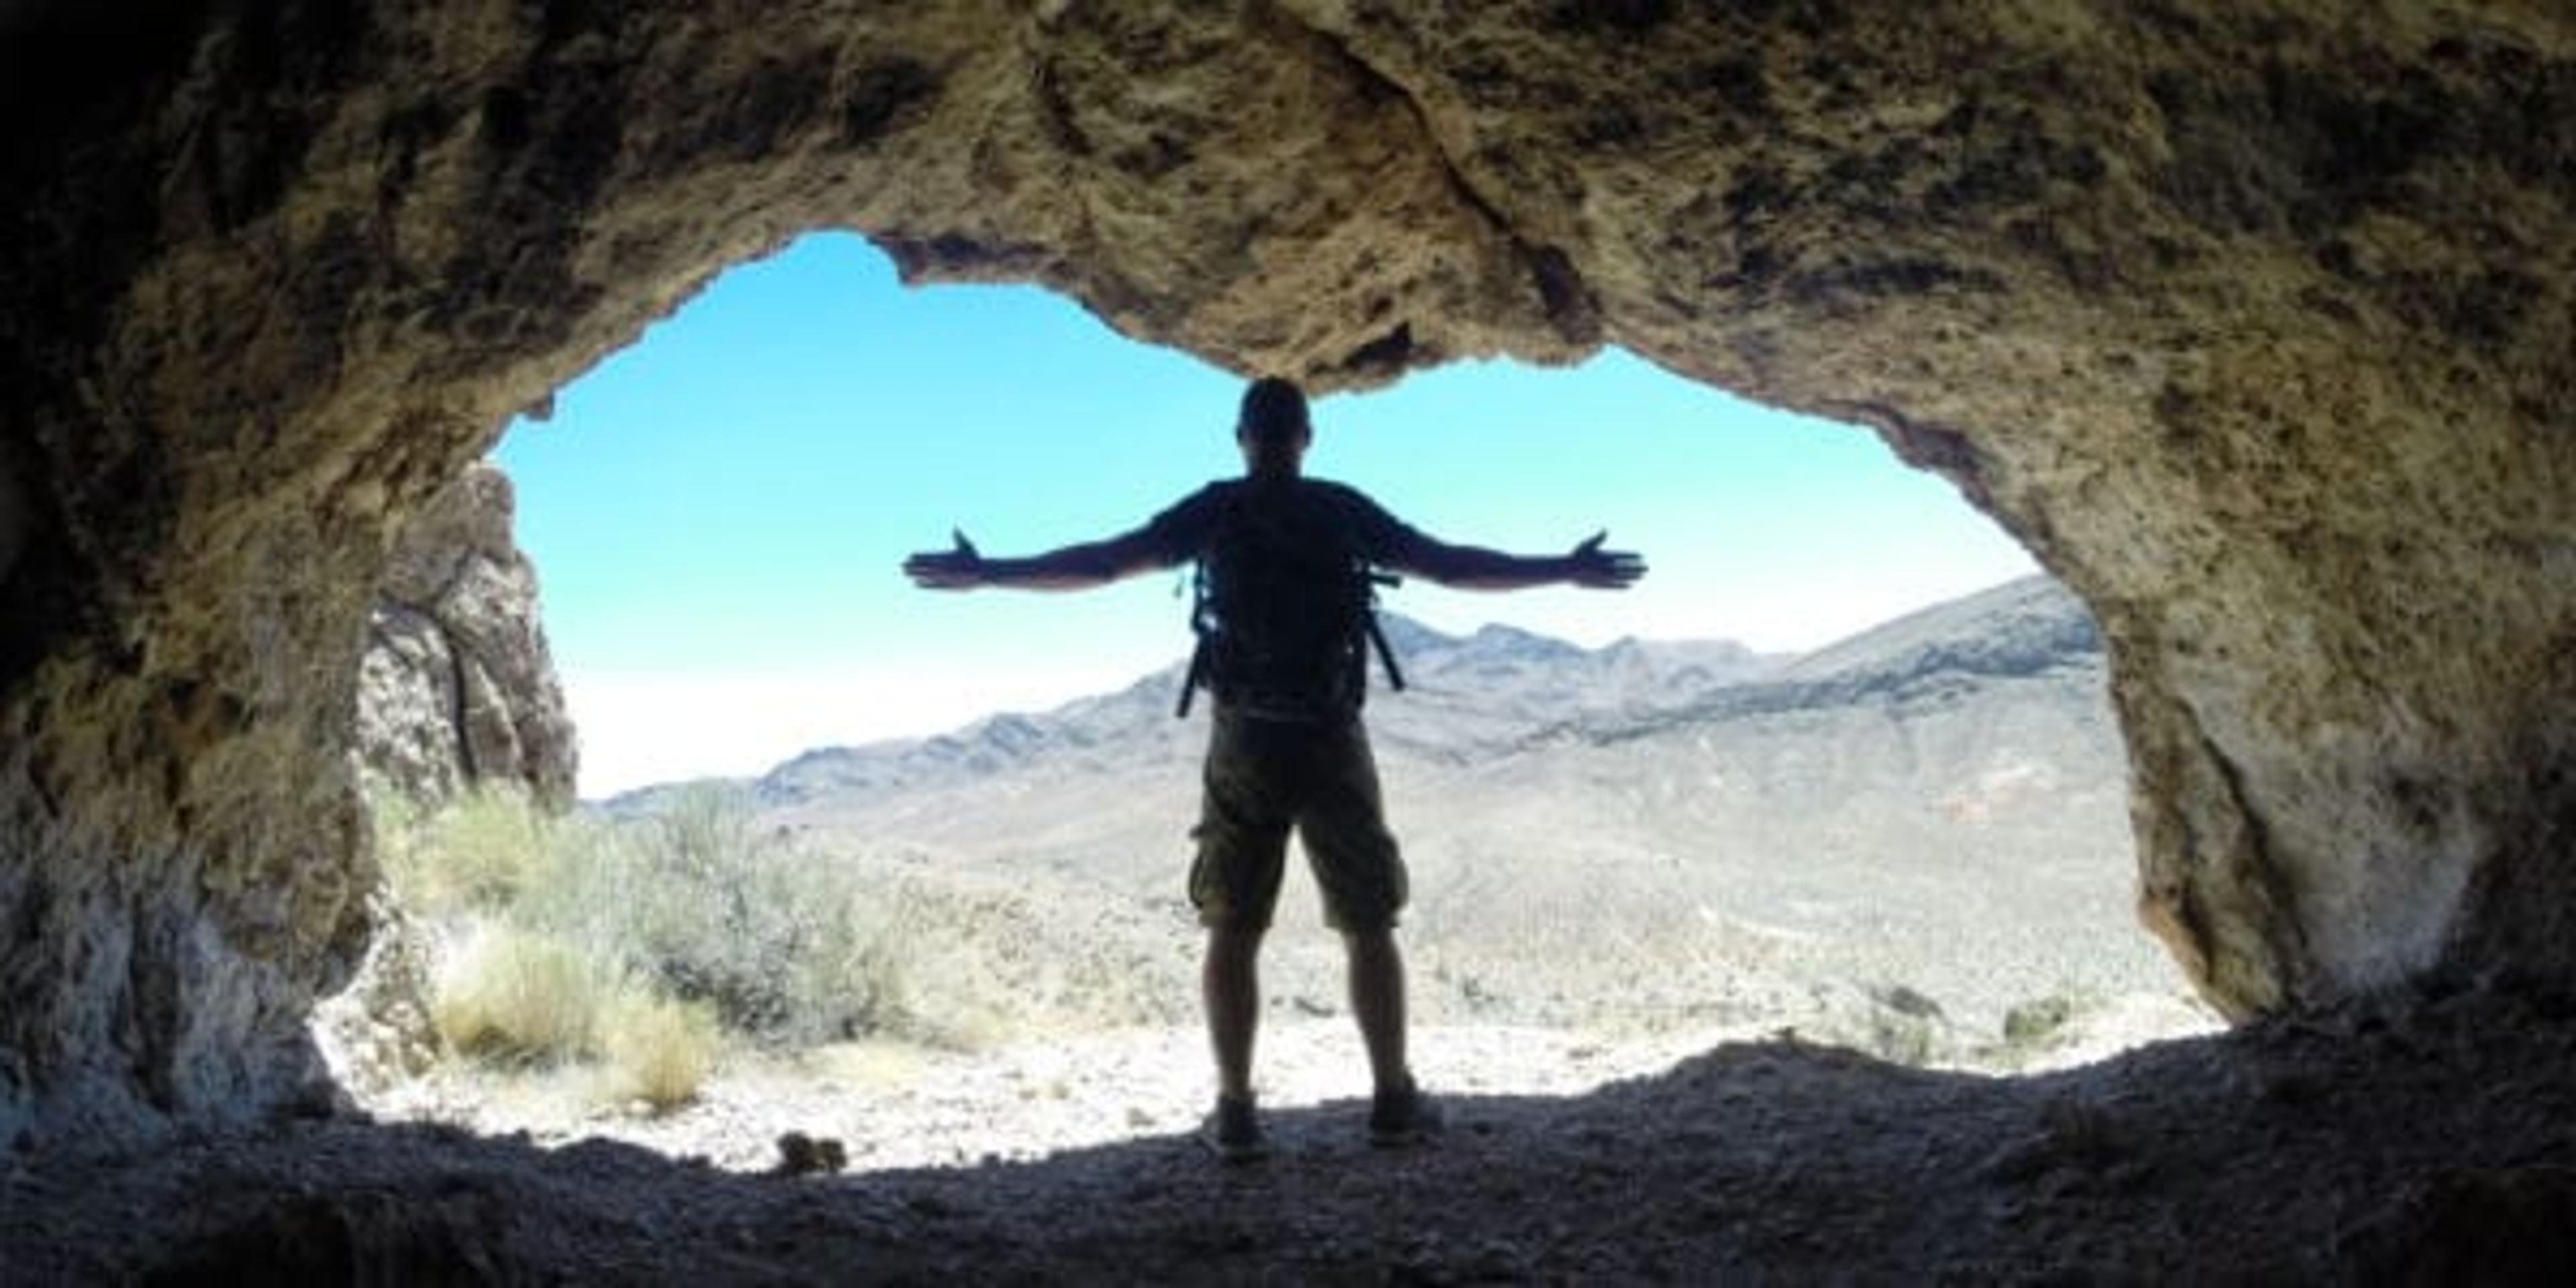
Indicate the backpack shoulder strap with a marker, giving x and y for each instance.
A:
(1377, 634)
(1203, 624)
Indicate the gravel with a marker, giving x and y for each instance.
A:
(2424, 1138)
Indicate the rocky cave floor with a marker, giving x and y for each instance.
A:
(2429, 1138)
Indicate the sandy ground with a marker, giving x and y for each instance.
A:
(2429, 1138)
(895, 1105)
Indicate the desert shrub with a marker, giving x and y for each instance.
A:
(517, 996)
(658, 1051)
(483, 852)
(582, 890)
(781, 942)
(851, 979)
(666, 929)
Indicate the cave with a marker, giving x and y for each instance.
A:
(2255, 323)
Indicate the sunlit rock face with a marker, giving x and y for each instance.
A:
(2254, 324)
(456, 689)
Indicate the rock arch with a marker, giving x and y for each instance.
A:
(2259, 326)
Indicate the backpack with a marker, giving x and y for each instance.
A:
(1284, 608)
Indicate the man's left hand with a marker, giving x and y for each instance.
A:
(1600, 569)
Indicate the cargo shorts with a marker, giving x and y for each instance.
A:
(1264, 777)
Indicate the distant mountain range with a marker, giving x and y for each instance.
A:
(1495, 692)
(1647, 833)
(1477, 694)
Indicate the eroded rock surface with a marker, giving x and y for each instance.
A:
(456, 692)
(2255, 321)
(456, 689)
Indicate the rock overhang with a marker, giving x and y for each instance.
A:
(2255, 327)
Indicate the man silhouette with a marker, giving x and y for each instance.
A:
(1284, 656)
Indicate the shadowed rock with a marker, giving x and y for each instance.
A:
(2335, 1148)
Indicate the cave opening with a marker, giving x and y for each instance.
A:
(1741, 799)
(2252, 323)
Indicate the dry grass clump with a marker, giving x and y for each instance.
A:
(519, 997)
(658, 1051)
(640, 943)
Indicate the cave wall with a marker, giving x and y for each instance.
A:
(2252, 320)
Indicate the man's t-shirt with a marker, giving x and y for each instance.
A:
(1286, 596)
(1300, 506)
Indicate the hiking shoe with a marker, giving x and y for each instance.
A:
(1232, 1131)
(1403, 1116)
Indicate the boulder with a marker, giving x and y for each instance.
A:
(456, 689)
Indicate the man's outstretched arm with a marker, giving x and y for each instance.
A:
(1080, 567)
(1476, 568)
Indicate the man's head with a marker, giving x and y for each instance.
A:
(1273, 430)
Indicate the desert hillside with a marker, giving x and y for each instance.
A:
(1907, 839)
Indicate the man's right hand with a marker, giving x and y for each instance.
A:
(959, 568)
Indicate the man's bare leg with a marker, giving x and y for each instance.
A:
(1377, 1000)
(1230, 984)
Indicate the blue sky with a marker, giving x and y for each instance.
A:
(717, 512)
